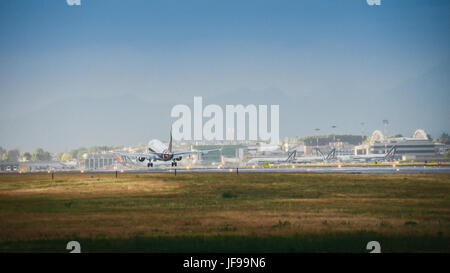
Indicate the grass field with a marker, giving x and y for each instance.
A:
(221, 212)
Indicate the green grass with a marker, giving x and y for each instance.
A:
(220, 212)
(299, 243)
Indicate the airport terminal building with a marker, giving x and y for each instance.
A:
(419, 146)
(99, 161)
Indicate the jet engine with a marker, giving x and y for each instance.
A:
(178, 158)
(141, 159)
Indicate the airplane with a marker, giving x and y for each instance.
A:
(158, 151)
(292, 158)
(389, 156)
(274, 160)
(309, 159)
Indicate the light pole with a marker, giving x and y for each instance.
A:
(317, 137)
(385, 123)
(339, 147)
(334, 134)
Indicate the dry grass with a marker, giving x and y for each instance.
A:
(33, 207)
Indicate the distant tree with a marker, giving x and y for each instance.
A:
(325, 140)
(41, 155)
(447, 154)
(37, 154)
(104, 148)
(5, 157)
(74, 153)
(395, 136)
(26, 156)
(2, 152)
(141, 147)
(59, 156)
(78, 153)
(66, 157)
(444, 138)
(13, 155)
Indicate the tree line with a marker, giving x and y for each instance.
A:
(79, 152)
(40, 154)
(325, 140)
(14, 155)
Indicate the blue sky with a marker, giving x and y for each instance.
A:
(325, 62)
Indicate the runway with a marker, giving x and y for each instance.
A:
(323, 169)
(365, 170)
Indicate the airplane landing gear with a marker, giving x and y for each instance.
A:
(174, 164)
(150, 164)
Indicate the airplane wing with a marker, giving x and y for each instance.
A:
(119, 156)
(304, 159)
(157, 156)
(203, 152)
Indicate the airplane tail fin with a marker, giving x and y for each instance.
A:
(391, 153)
(291, 156)
(170, 141)
(119, 159)
(331, 155)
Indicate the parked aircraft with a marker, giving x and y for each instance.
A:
(293, 159)
(389, 156)
(322, 157)
(274, 160)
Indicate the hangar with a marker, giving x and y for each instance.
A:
(417, 146)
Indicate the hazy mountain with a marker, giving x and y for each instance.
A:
(420, 102)
(85, 121)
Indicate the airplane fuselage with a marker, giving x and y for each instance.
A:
(156, 146)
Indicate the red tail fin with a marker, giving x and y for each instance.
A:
(118, 158)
